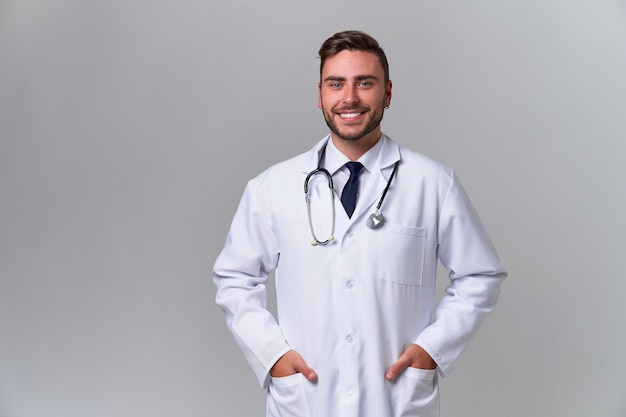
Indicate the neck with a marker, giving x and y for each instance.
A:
(354, 149)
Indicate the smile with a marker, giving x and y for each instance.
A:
(349, 115)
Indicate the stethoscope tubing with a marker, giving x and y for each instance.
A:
(329, 177)
(374, 221)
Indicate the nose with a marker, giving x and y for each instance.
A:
(351, 95)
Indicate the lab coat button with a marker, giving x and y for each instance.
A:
(349, 285)
(349, 338)
(349, 394)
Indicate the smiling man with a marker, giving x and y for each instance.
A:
(353, 92)
(355, 334)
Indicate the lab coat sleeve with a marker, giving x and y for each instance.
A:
(466, 250)
(240, 274)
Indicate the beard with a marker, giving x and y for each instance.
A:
(354, 133)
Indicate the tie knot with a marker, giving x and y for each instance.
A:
(354, 167)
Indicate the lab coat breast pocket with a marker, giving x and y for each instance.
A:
(287, 397)
(401, 254)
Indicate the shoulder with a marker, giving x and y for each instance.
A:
(417, 160)
(421, 165)
(284, 172)
(281, 170)
(421, 174)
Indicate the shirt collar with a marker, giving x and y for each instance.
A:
(335, 160)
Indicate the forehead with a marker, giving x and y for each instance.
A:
(348, 64)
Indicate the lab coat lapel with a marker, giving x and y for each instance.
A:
(313, 156)
(318, 184)
(389, 155)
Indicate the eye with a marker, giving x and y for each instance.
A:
(365, 84)
(334, 85)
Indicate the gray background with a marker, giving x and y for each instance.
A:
(128, 130)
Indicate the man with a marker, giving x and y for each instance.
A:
(354, 334)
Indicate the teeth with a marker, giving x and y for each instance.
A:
(350, 115)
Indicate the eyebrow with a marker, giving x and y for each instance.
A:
(357, 78)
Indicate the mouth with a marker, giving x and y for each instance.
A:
(350, 115)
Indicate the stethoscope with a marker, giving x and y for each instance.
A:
(374, 221)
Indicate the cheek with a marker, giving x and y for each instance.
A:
(325, 102)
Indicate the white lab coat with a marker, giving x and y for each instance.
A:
(350, 308)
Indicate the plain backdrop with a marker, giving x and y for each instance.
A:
(129, 128)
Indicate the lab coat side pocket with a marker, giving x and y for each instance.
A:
(418, 394)
(287, 397)
(401, 254)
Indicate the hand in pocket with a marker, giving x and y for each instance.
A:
(413, 356)
(292, 363)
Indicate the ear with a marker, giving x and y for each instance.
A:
(319, 96)
(388, 94)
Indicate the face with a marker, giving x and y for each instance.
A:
(353, 95)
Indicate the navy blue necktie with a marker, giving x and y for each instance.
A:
(348, 195)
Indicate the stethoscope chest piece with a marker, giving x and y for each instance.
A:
(375, 220)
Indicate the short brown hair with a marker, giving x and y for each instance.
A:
(352, 40)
